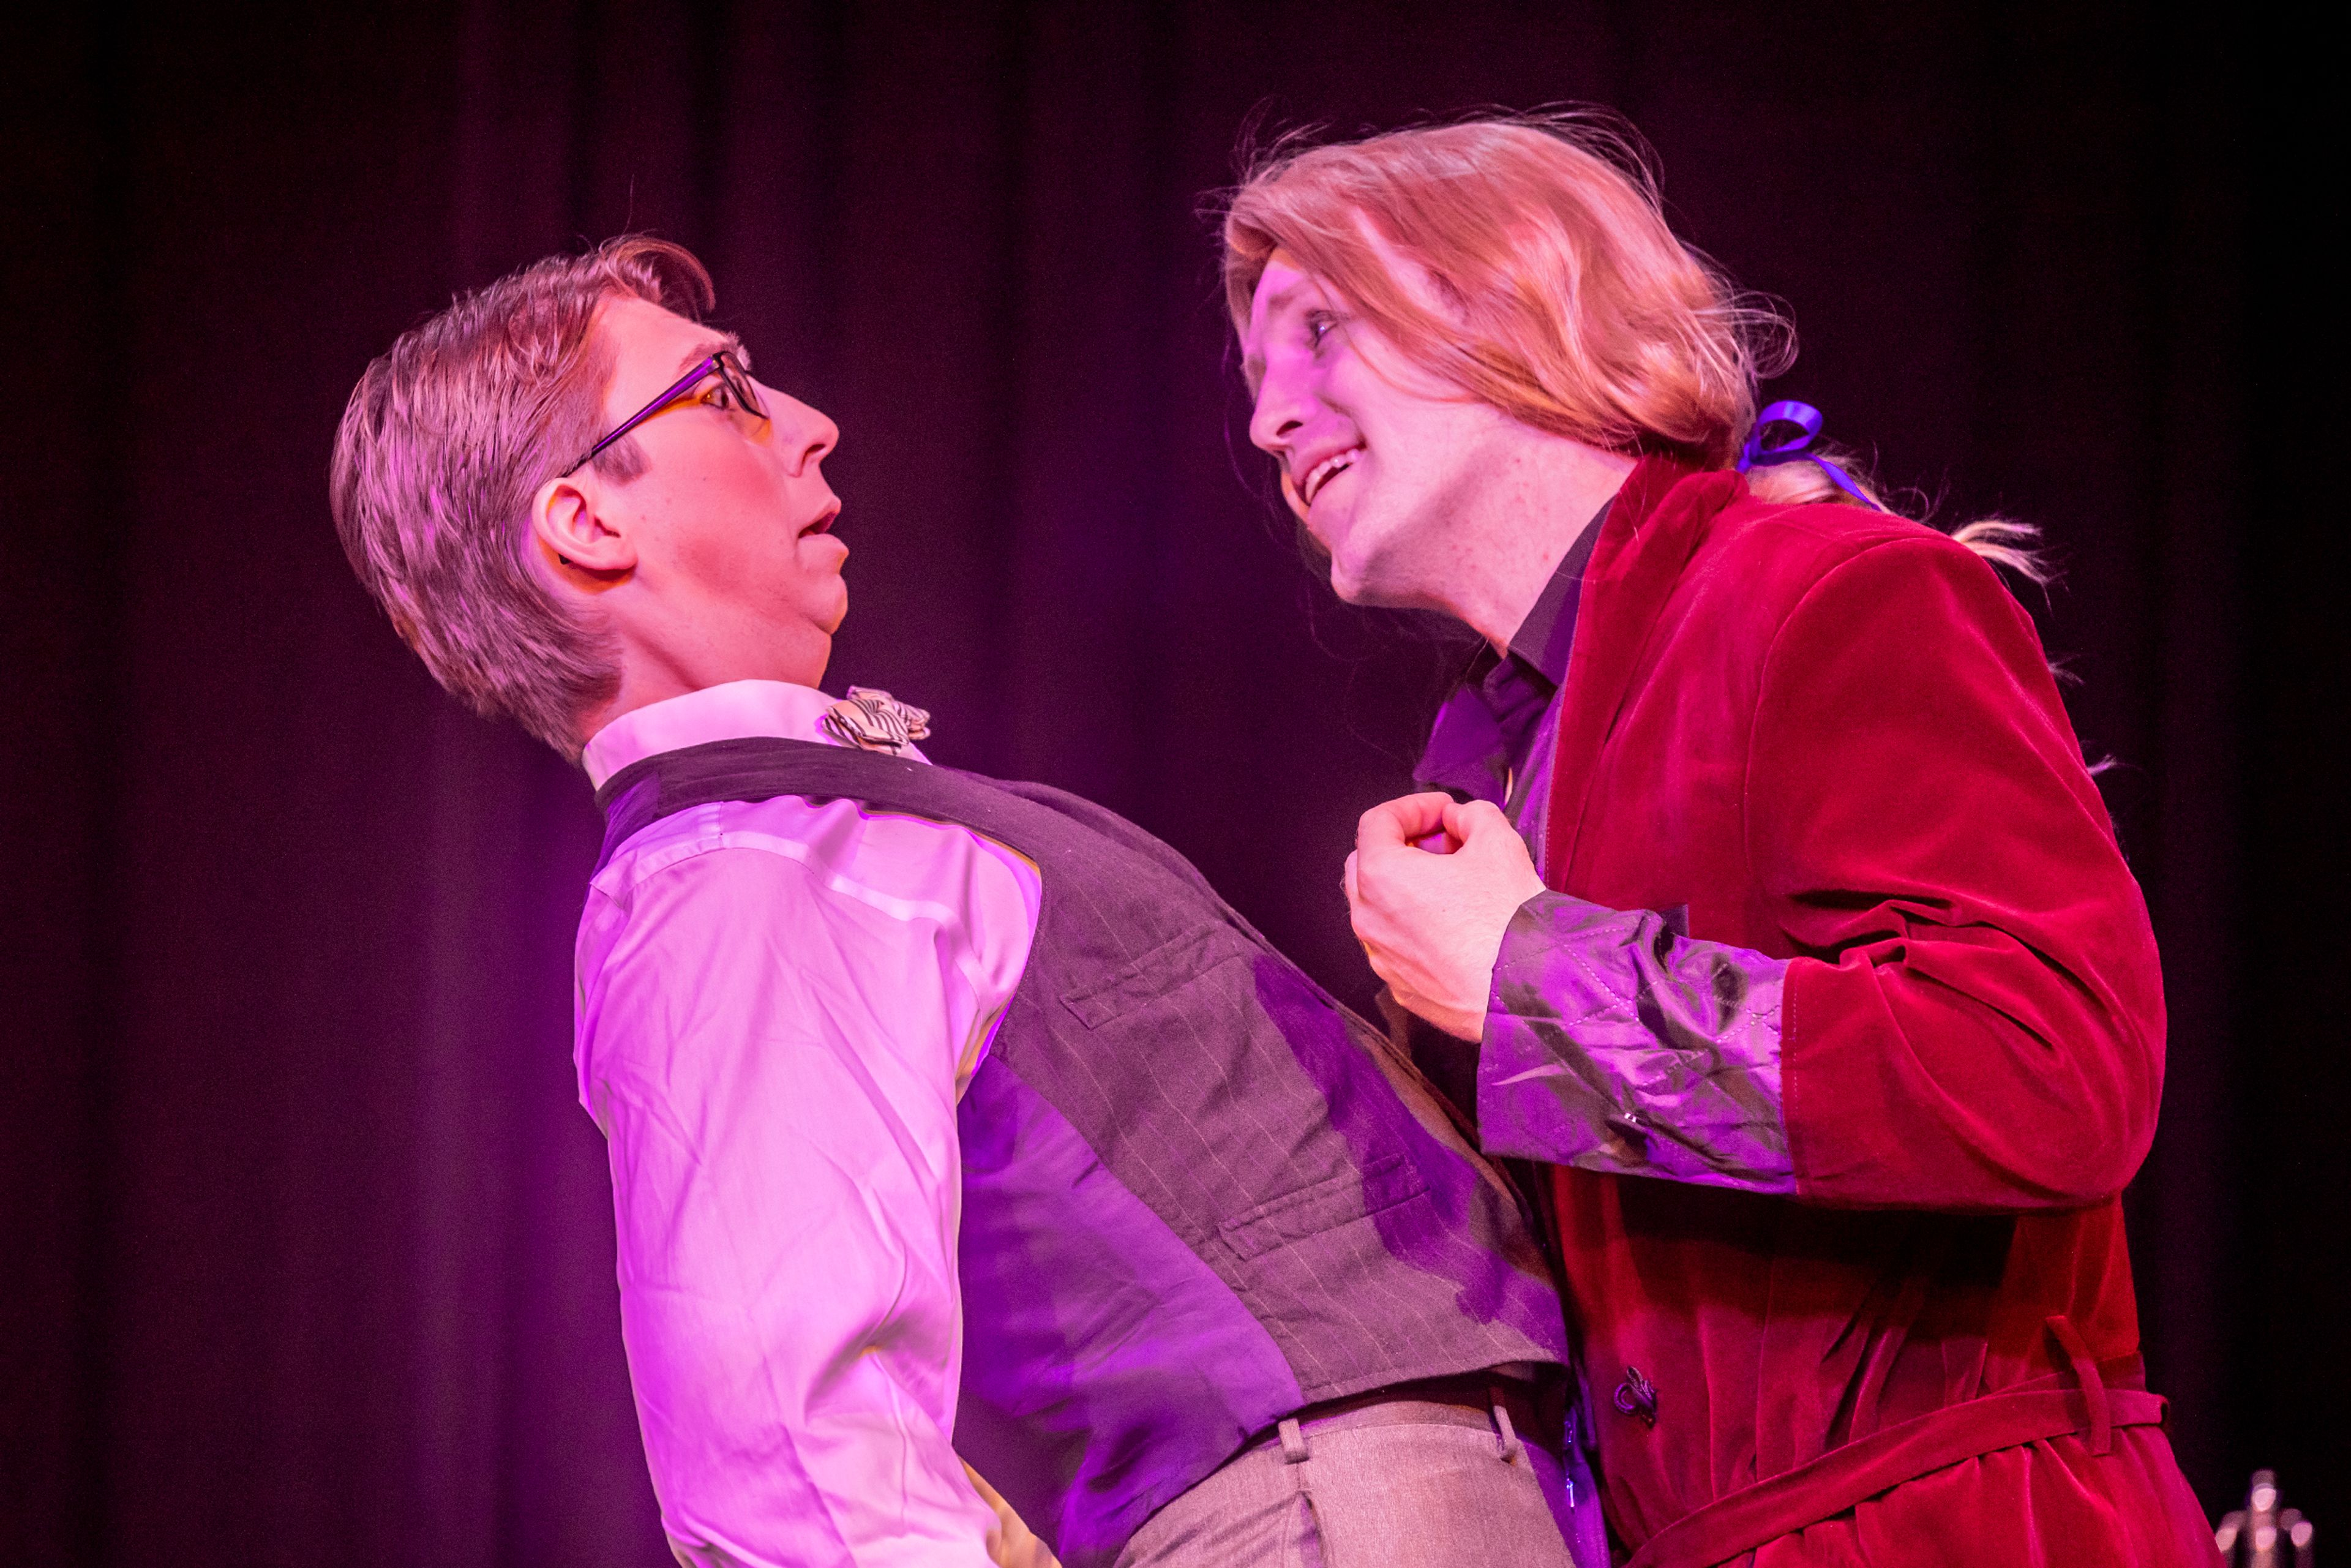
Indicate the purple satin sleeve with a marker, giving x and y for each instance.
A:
(1613, 1044)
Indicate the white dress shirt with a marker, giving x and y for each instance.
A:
(780, 1004)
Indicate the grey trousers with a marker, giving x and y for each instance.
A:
(1399, 1485)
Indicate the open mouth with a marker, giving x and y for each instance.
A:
(823, 524)
(1322, 473)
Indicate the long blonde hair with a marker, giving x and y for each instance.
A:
(1552, 288)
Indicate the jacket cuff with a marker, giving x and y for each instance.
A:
(1613, 1044)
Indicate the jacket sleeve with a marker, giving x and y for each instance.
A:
(1971, 1018)
(1974, 1018)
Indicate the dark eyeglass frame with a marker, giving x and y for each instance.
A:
(722, 364)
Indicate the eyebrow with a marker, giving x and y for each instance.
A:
(725, 342)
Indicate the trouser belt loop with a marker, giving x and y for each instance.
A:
(2093, 1387)
(1513, 1449)
(1293, 1441)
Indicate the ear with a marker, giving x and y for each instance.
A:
(576, 541)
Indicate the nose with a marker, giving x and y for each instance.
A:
(1282, 410)
(803, 435)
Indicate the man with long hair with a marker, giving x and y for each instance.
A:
(948, 1116)
(1777, 913)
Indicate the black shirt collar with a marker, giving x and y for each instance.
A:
(1485, 726)
(1546, 636)
(1541, 645)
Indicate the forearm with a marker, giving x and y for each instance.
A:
(1976, 1024)
(1900, 1077)
(1613, 1044)
(1979, 1027)
(1963, 1070)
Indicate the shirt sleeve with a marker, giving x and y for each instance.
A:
(1973, 1020)
(1613, 1043)
(770, 1058)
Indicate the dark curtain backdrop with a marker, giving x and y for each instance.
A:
(308, 1245)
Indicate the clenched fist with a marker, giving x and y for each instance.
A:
(1432, 923)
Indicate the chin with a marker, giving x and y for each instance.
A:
(823, 588)
(1352, 547)
(1372, 564)
(1354, 579)
(1348, 585)
(1341, 568)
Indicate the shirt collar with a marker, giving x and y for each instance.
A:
(733, 711)
(1540, 648)
(1545, 637)
(1486, 723)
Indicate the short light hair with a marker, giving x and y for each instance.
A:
(446, 441)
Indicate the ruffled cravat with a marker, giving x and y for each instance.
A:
(874, 720)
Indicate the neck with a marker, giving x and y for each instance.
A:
(652, 670)
(1506, 542)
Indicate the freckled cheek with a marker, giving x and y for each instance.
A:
(733, 541)
(714, 558)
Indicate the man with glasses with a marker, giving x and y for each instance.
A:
(946, 1116)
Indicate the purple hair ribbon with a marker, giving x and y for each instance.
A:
(1760, 453)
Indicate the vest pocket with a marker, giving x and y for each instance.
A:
(1386, 1183)
(1174, 963)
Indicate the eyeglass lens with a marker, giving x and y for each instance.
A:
(738, 382)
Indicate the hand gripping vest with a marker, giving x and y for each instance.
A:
(1197, 1194)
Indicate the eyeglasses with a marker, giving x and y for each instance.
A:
(738, 394)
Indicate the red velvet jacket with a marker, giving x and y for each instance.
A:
(1833, 735)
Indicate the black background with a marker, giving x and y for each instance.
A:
(309, 1247)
